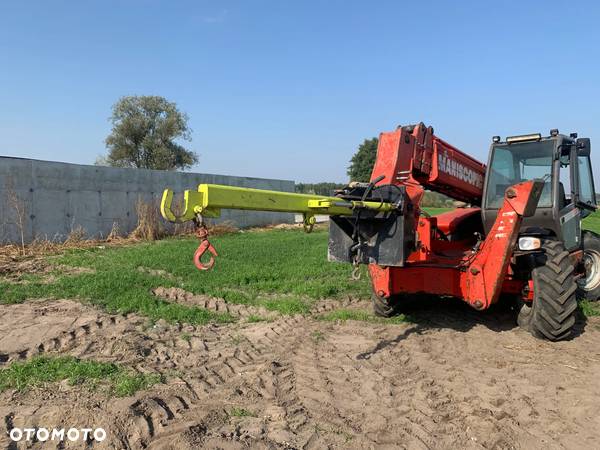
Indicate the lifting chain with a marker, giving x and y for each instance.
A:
(356, 237)
(356, 267)
(356, 260)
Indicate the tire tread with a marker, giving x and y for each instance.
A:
(552, 314)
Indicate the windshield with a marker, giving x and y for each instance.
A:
(514, 163)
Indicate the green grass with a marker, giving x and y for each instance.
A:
(281, 270)
(363, 316)
(317, 336)
(288, 306)
(589, 309)
(42, 369)
(253, 318)
(434, 211)
(241, 412)
(116, 286)
(592, 222)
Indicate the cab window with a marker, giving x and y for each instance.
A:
(586, 183)
(514, 163)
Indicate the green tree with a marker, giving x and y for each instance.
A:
(437, 200)
(361, 164)
(145, 133)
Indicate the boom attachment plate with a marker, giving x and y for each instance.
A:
(370, 237)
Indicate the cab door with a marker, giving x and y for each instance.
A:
(583, 200)
(569, 215)
(585, 190)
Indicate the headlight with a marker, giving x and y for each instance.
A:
(529, 243)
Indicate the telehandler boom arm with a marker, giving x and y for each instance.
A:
(210, 199)
(414, 157)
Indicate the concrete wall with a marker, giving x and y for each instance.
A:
(59, 197)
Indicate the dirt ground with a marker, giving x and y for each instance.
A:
(455, 378)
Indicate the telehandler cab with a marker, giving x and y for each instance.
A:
(520, 233)
(556, 257)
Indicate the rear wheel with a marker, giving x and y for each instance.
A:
(589, 286)
(551, 314)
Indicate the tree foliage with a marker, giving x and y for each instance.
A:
(361, 164)
(437, 200)
(145, 133)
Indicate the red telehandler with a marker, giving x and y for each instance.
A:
(519, 235)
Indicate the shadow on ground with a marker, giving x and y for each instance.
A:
(434, 313)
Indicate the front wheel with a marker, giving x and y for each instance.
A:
(551, 314)
(589, 286)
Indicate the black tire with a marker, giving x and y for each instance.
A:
(589, 285)
(384, 306)
(551, 315)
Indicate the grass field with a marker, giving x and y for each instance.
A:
(592, 222)
(362, 316)
(42, 369)
(434, 211)
(281, 270)
(180, 374)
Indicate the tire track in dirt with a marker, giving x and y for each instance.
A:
(198, 362)
(212, 303)
(36, 327)
(359, 400)
(175, 409)
(65, 341)
(341, 393)
(243, 311)
(445, 381)
(249, 359)
(388, 394)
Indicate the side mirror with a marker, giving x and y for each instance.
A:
(584, 146)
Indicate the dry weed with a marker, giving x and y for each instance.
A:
(17, 204)
(149, 226)
(76, 235)
(226, 227)
(115, 233)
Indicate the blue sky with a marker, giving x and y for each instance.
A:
(285, 89)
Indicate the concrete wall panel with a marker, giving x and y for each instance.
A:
(50, 214)
(59, 197)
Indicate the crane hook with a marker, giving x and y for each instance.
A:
(203, 248)
(205, 245)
